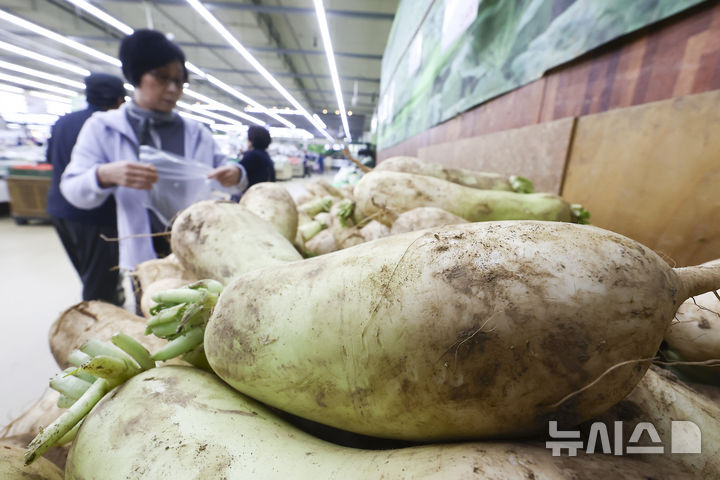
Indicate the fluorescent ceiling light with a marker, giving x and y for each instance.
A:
(225, 33)
(210, 101)
(44, 75)
(11, 89)
(317, 117)
(325, 33)
(58, 38)
(31, 83)
(191, 67)
(275, 111)
(110, 20)
(97, 13)
(42, 58)
(202, 111)
(224, 86)
(113, 61)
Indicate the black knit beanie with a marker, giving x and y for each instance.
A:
(103, 90)
(146, 49)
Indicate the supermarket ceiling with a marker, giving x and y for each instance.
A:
(284, 36)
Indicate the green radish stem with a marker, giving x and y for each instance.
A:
(579, 214)
(77, 358)
(185, 326)
(69, 385)
(310, 229)
(317, 206)
(65, 422)
(192, 316)
(165, 315)
(133, 348)
(96, 348)
(166, 330)
(178, 295)
(70, 435)
(182, 344)
(345, 211)
(112, 365)
(80, 374)
(112, 369)
(212, 286)
(182, 309)
(65, 402)
(521, 184)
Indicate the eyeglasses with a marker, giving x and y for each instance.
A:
(166, 80)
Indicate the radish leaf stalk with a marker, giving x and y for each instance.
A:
(180, 316)
(100, 367)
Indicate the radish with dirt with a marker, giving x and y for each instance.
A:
(386, 195)
(477, 330)
(272, 202)
(182, 423)
(220, 240)
(461, 176)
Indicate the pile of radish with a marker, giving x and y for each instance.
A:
(444, 315)
(406, 194)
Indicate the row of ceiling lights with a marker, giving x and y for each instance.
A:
(211, 104)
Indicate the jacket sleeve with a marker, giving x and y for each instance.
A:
(221, 159)
(79, 183)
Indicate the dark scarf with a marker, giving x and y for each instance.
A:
(162, 130)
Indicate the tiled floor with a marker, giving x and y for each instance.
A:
(37, 282)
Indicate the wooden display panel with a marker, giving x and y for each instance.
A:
(652, 173)
(537, 152)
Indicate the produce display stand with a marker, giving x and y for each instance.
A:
(28, 187)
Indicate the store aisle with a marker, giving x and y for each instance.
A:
(37, 283)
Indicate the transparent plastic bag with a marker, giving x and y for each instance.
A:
(181, 182)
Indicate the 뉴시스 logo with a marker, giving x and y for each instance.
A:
(685, 437)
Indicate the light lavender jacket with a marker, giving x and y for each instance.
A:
(107, 137)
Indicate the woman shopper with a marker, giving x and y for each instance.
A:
(108, 159)
(255, 160)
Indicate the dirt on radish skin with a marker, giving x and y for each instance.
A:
(385, 195)
(273, 203)
(468, 178)
(183, 423)
(424, 217)
(220, 240)
(469, 331)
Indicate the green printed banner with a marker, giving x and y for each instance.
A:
(446, 56)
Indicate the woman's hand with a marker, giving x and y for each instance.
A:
(127, 174)
(227, 175)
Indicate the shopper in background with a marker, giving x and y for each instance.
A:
(94, 259)
(107, 159)
(255, 160)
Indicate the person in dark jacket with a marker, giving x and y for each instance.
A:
(94, 259)
(257, 162)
